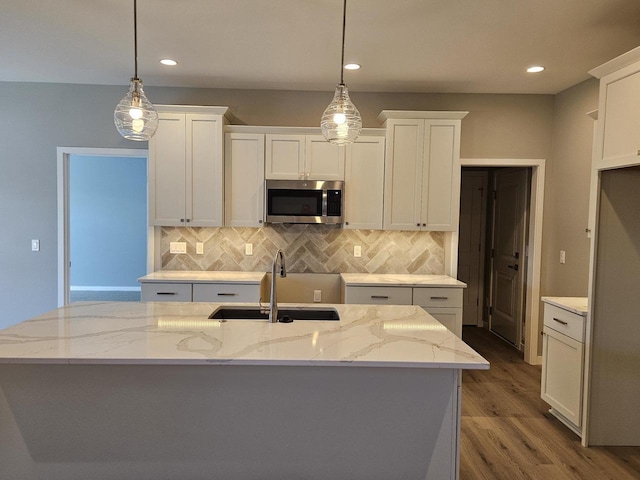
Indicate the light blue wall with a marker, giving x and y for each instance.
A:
(108, 218)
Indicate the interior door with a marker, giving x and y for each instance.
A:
(473, 189)
(508, 265)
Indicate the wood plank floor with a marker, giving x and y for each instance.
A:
(507, 432)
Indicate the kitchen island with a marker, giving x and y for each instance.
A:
(157, 390)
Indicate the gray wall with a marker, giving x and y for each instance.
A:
(37, 118)
(568, 179)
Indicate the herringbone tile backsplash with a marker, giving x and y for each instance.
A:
(308, 249)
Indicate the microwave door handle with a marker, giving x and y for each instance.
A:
(324, 203)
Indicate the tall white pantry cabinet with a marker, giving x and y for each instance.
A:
(186, 174)
(612, 383)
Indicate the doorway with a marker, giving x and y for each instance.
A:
(107, 227)
(529, 264)
(96, 226)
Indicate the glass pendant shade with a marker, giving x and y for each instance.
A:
(341, 122)
(135, 117)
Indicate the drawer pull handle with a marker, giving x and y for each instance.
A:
(439, 298)
(165, 293)
(560, 321)
(227, 294)
(384, 297)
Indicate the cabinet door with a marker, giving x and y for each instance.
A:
(621, 142)
(244, 179)
(205, 182)
(449, 317)
(562, 359)
(323, 160)
(167, 171)
(284, 156)
(440, 175)
(364, 183)
(403, 174)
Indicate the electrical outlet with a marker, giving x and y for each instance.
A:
(248, 248)
(357, 251)
(35, 245)
(563, 256)
(177, 247)
(317, 296)
(199, 248)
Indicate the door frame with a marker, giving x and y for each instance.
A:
(63, 154)
(534, 257)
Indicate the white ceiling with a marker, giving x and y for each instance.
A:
(472, 46)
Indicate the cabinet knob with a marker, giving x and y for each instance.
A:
(417, 224)
(424, 224)
(188, 220)
(346, 223)
(182, 220)
(259, 221)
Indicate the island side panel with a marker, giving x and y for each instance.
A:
(232, 422)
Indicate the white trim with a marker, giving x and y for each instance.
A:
(532, 294)
(63, 154)
(413, 114)
(75, 288)
(613, 65)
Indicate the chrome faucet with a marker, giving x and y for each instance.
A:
(273, 304)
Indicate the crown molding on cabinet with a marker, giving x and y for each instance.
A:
(433, 115)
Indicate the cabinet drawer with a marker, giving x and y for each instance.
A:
(166, 292)
(225, 292)
(379, 295)
(437, 297)
(565, 322)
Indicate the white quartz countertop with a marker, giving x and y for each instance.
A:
(577, 305)
(180, 333)
(195, 276)
(408, 280)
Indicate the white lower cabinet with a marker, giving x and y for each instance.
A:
(226, 292)
(443, 303)
(201, 292)
(166, 292)
(562, 365)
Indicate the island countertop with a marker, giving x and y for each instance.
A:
(400, 279)
(181, 334)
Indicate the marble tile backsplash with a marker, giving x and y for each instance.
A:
(308, 249)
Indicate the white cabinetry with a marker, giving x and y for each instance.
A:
(294, 157)
(185, 167)
(443, 303)
(562, 364)
(364, 183)
(244, 179)
(166, 292)
(422, 170)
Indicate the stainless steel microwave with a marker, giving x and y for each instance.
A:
(303, 201)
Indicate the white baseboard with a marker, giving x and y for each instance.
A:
(104, 289)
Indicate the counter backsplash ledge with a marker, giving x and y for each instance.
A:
(308, 249)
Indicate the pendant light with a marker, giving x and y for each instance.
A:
(341, 122)
(135, 117)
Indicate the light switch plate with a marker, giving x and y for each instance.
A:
(357, 251)
(563, 256)
(177, 247)
(248, 248)
(199, 248)
(317, 296)
(35, 245)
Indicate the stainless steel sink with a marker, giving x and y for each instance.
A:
(284, 314)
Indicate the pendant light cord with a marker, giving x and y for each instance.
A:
(135, 36)
(344, 26)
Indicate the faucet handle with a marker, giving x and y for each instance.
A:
(263, 309)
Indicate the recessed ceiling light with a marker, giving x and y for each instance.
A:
(168, 61)
(352, 66)
(535, 69)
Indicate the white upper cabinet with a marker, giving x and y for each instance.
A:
(422, 170)
(297, 157)
(244, 179)
(186, 182)
(364, 183)
(617, 136)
